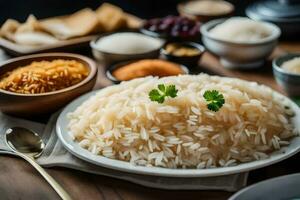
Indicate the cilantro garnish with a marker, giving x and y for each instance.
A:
(215, 100)
(162, 92)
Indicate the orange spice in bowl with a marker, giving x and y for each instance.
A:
(147, 67)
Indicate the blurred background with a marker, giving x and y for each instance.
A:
(20, 10)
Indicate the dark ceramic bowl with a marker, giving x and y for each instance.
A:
(170, 38)
(283, 13)
(109, 58)
(190, 61)
(28, 105)
(203, 17)
(288, 81)
(110, 76)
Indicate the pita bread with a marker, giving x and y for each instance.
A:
(27, 33)
(133, 22)
(78, 24)
(30, 25)
(34, 38)
(110, 17)
(107, 18)
(9, 28)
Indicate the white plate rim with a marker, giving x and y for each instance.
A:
(74, 148)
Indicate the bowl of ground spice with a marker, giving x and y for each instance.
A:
(42, 83)
(186, 53)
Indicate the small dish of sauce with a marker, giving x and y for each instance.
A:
(185, 53)
(176, 49)
(147, 67)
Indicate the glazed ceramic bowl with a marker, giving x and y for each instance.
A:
(109, 58)
(173, 28)
(288, 81)
(282, 187)
(28, 105)
(240, 55)
(170, 38)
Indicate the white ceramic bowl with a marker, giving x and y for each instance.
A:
(109, 58)
(289, 82)
(283, 187)
(242, 55)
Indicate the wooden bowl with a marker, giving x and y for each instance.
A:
(28, 105)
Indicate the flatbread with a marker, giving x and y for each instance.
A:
(133, 22)
(107, 18)
(110, 17)
(9, 28)
(81, 23)
(28, 33)
(34, 38)
(31, 25)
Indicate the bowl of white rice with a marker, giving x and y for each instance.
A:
(120, 127)
(240, 42)
(286, 70)
(123, 46)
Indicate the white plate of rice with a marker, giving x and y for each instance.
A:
(120, 128)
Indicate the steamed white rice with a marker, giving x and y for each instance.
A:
(120, 122)
(241, 29)
(292, 66)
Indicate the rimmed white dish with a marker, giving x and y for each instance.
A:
(73, 147)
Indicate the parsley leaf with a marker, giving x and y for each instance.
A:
(171, 91)
(162, 92)
(215, 100)
(161, 87)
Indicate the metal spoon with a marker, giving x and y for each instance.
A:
(28, 145)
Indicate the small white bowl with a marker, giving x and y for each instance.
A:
(109, 58)
(289, 82)
(240, 55)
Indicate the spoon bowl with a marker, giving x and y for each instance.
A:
(28, 145)
(24, 141)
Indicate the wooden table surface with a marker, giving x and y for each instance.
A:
(18, 180)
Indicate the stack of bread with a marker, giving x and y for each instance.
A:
(106, 18)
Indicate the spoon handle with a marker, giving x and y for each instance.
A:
(60, 191)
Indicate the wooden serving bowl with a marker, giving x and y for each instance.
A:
(28, 105)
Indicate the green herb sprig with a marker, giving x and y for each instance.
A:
(162, 92)
(215, 100)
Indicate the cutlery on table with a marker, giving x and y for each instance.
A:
(29, 145)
